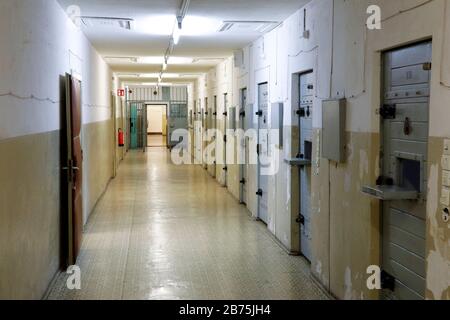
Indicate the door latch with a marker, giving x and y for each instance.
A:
(388, 111)
(301, 112)
(259, 192)
(301, 219)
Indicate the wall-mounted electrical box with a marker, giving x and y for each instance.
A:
(333, 129)
(277, 121)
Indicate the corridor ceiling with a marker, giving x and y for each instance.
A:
(153, 25)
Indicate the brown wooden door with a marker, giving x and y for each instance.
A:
(74, 168)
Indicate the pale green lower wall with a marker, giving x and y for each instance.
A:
(29, 214)
(98, 162)
(30, 204)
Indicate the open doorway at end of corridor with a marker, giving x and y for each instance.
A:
(156, 126)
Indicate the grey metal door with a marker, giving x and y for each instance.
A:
(214, 141)
(263, 151)
(243, 115)
(178, 119)
(305, 152)
(405, 114)
(225, 139)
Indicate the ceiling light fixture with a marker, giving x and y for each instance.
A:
(179, 22)
(176, 35)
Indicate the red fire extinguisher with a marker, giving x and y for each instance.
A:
(121, 138)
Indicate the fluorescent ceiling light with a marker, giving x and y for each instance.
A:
(245, 27)
(176, 35)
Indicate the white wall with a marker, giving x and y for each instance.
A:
(40, 44)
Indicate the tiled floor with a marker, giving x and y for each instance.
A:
(168, 232)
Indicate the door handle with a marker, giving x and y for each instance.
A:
(259, 193)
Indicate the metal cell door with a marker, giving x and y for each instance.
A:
(133, 126)
(225, 138)
(305, 152)
(138, 126)
(263, 151)
(405, 120)
(205, 120)
(243, 125)
(214, 124)
(178, 119)
(74, 167)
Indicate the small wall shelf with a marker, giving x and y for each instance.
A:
(389, 193)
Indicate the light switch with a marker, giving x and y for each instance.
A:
(445, 197)
(446, 178)
(446, 162)
(447, 147)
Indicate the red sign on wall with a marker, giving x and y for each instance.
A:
(121, 92)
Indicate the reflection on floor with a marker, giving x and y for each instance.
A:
(155, 140)
(171, 232)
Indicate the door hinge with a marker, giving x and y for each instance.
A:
(224, 138)
(387, 281)
(259, 192)
(407, 129)
(388, 111)
(257, 149)
(427, 66)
